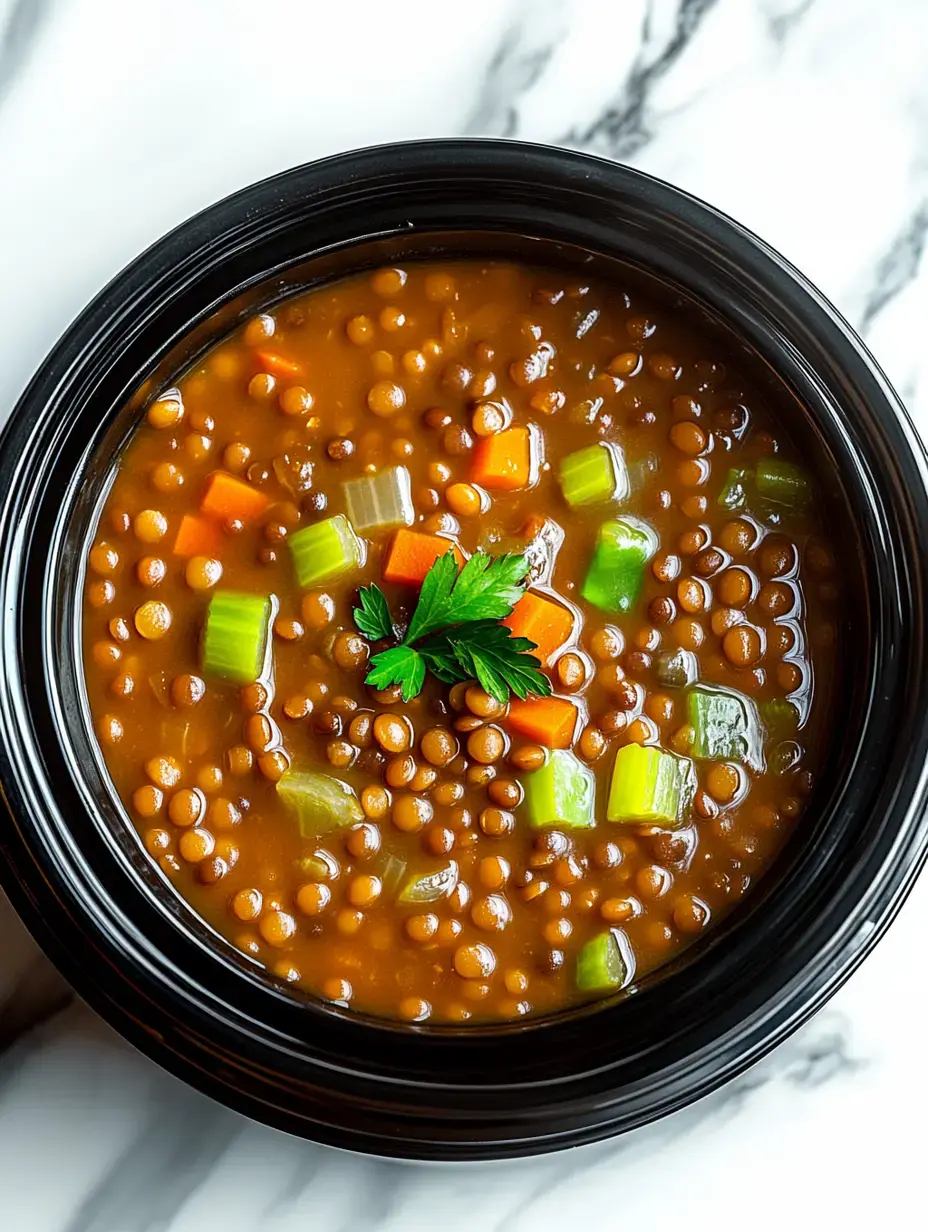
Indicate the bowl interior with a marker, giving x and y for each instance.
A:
(118, 425)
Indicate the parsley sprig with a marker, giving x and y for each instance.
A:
(455, 632)
(373, 616)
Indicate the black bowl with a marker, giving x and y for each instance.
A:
(72, 863)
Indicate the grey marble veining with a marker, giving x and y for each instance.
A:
(626, 125)
(22, 22)
(179, 1139)
(897, 268)
(807, 120)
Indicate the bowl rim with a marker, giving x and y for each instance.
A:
(171, 263)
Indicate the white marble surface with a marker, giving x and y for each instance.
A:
(807, 120)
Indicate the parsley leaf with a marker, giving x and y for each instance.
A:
(373, 616)
(455, 632)
(441, 660)
(433, 610)
(487, 588)
(399, 665)
(502, 663)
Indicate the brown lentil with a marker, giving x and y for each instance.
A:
(528, 757)
(486, 745)
(410, 813)
(571, 672)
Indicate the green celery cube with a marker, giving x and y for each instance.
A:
(726, 726)
(601, 965)
(325, 551)
(235, 636)
(561, 793)
(782, 482)
(651, 786)
(594, 474)
(613, 579)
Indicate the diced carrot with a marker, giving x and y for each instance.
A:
(197, 537)
(413, 553)
(279, 365)
(550, 721)
(228, 497)
(546, 623)
(504, 460)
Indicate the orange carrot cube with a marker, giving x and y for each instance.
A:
(412, 553)
(226, 497)
(504, 460)
(197, 537)
(543, 621)
(549, 721)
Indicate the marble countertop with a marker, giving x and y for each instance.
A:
(805, 119)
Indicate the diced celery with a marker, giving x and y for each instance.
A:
(649, 785)
(782, 482)
(561, 792)
(780, 717)
(676, 668)
(726, 726)
(613, 579)
(594, 474)
(320, 801)
(430, 887)
(734, 492)
(325, 551)
(602, 966)
(235, 636)
(380, 501)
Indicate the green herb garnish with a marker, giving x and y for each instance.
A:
(487, 588)
(373, 616)
(399, 665)
(455, 631)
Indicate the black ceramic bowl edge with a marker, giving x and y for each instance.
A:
(178, 1030)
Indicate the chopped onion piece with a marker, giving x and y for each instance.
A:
(430, 887)
(380, 501)
(319, 801)
(676, 668)
(392, 873)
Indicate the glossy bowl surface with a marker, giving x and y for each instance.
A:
(74, 867)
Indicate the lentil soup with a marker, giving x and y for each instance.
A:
(450, 634)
